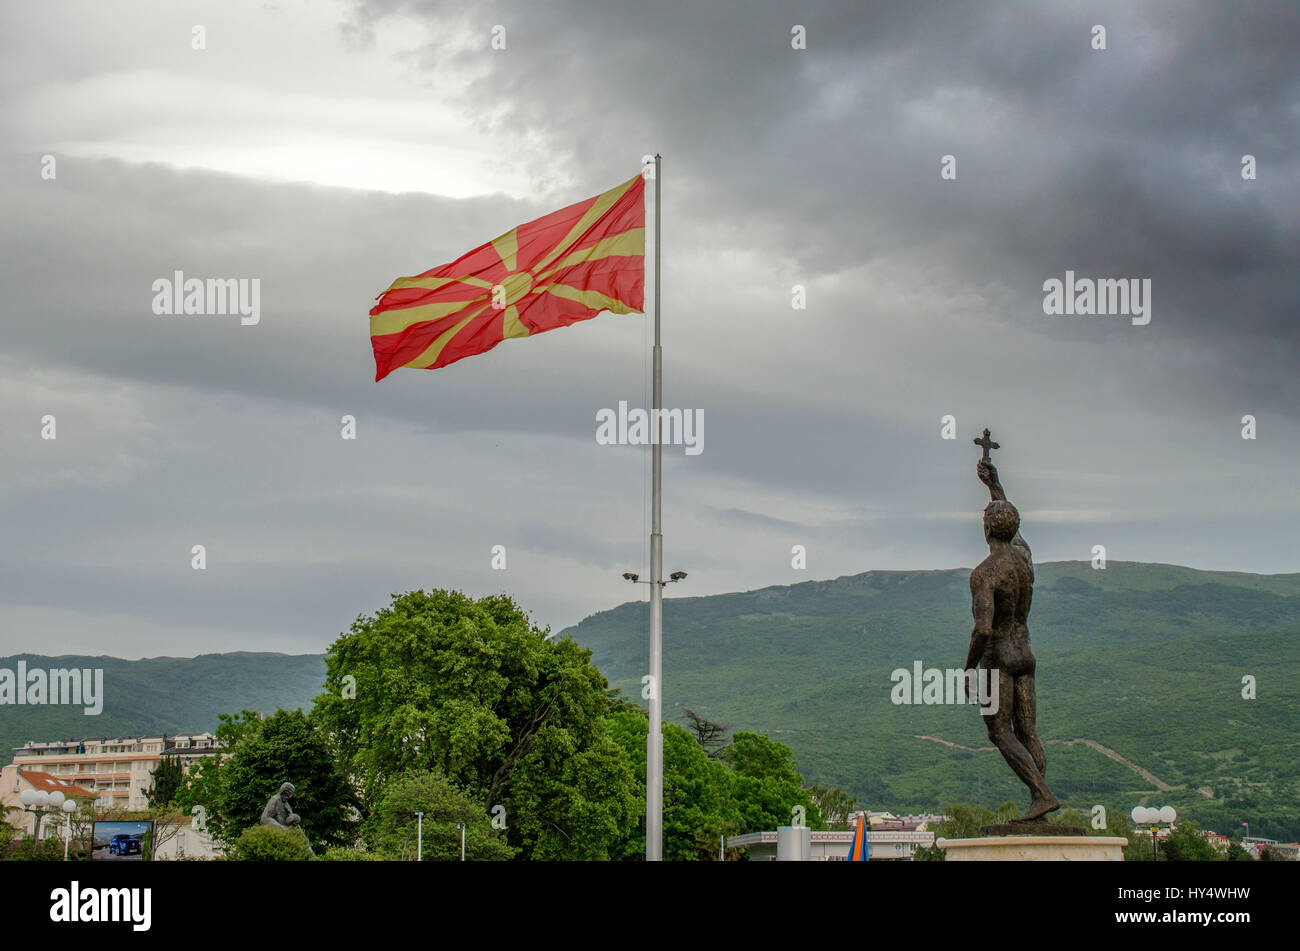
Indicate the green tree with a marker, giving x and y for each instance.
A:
(1238, 854)
(835, 805)
(167, 780)
(572, 802)
(472, 690)
(203, 783)
(1185, 843)
(269, 844)
(766, 784)
(286, 747)
(29, 849)
(698, 808)
(964, 821)
(392, 829)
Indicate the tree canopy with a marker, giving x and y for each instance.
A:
(471, 689)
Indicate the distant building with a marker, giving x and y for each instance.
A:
(833, 846)
(117, 770)
(1220, 842)
(13, 781)
(887, 821)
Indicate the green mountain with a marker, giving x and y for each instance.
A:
(1139, 686)
(164, 694)
(1140, 682)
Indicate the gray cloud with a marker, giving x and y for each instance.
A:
(815, 167)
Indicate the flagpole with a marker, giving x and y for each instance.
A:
(654, 749)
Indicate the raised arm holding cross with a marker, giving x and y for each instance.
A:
(987, 472)
(1002, 589)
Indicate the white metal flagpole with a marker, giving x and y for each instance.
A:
(654, 747)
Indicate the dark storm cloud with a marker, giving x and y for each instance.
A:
(818, 167)
(1123, 162)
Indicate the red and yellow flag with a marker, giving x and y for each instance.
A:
(562, 268)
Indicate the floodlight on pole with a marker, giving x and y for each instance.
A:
(635, 578)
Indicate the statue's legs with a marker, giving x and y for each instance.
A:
(1003, 732)
(1026, 721)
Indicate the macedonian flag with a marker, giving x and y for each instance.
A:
(562, 268)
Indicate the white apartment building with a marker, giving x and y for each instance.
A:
(117, 770)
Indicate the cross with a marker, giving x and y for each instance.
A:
(986, 443)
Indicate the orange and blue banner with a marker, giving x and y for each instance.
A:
(858, 850)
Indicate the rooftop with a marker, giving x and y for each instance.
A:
(44, 782)
(168, 739)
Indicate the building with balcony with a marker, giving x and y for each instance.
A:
(12, 784)
(117, 771)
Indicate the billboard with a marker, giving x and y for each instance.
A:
(122, 841)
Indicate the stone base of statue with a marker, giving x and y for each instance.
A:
(1028, 842)
(1034, 827)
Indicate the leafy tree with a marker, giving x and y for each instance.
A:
(269, 844)
(472, 690)
(572, 802)
(1271, 854)
(1186, 843)
(698, 807)
(285, 747)
(1068, 817)
(30, 849)
(8, 831)
(167, 780)
(963, 821)
(1236, 853)
(350, 855)
(202, 786)
(392, 828)
(766, 784)
(835, 805)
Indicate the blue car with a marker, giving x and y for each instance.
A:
(124, 844)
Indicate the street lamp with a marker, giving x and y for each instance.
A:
(419, 835)
(38, 802)
(461, 827)
(69, 807)
(1142, 815)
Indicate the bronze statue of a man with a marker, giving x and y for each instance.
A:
(1001, 589)
(278, 811)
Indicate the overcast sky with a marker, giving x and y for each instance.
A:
(327, 148)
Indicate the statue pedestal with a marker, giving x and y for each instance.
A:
(1035, 848)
